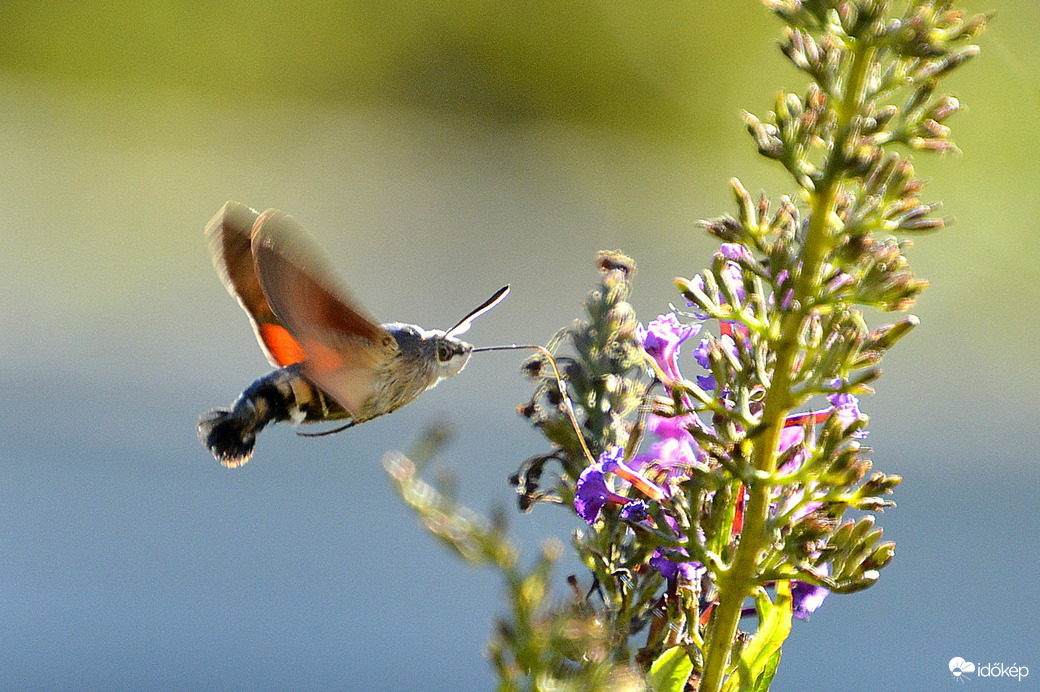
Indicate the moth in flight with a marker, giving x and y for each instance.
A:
(334, 362)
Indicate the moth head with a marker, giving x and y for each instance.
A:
(452, 354)
(431, 351)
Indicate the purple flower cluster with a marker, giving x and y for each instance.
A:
(674, 451)
(594, 491)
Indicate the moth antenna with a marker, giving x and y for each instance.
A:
(465, 322)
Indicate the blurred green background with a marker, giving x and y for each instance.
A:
(438, 150)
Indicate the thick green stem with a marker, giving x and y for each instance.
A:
(738, 580)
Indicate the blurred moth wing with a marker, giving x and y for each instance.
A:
(230, 237)
(345, 350)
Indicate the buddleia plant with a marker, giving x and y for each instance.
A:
(717, 454)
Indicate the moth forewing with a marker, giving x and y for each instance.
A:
(230, 242)
(345, 348)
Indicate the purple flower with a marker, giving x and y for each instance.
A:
(691, 571)
(806, 598)
(702, 355)
(844, 406)
(794, 432)
(676, 445)
(731, 275)
(840, 281)
(670, 569)
(735, 252)
(673, 453)
(592, 491)
(661, 340)
(635, 511)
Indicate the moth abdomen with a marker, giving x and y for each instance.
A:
(230, 433)
(228, 436)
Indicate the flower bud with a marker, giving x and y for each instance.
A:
(938, 68)
(881, 556)
(745, 207)
(765, 136)
(884, 338)
(880, 484)
(944, 108)
(726, 228)
(693, 291)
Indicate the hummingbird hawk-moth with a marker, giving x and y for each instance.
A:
(333, 361)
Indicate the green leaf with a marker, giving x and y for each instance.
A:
(765, 678)
(759, 659)
(670, 671)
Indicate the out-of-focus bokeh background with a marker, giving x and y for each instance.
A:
(438, 150)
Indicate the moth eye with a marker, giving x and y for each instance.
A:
(443, 353)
